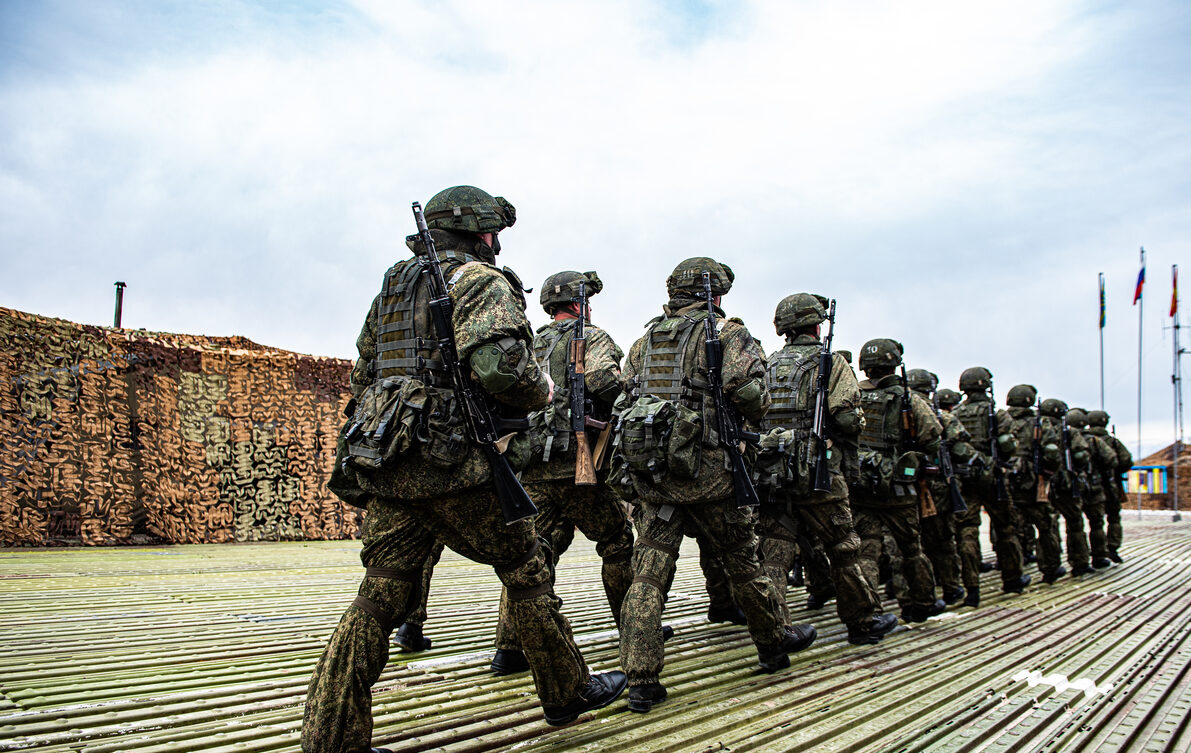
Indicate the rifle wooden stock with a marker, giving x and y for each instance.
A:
(926, 501)
(584, 465)
(600, 456)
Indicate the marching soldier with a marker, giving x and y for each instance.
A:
(1102, 462)
(1066, 489)
(1033, 468)
(1114, 492)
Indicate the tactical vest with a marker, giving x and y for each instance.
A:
(553, 424)
(882, 430)
(974, 417)
(791, 376)
(667, 359)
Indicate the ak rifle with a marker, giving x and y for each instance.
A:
(577, 393)
(822, 479)
(954, 495)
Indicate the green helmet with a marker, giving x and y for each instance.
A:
(1077, 417)
(800, 310)
(921, 380)
(1054, 407)
(948, 398)
(1097, 418)
(562, 288)
(880, 352)
(975, 379)
(468, 209)
(687, 277)
(1022, 395)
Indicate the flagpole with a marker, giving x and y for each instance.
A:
(1176, 379)
(1102, 341)
(1140, 308)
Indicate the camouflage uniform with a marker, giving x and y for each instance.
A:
(670, 362)
(938, 530)
(438, 488)
(794, 512)
(1114, 492)
(1036, 444)
(980, 488)
(1102, 461)
(1066, 484)
(886, 496)
(596, 510)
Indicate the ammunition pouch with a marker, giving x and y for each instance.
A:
(654, 440)
(388, 420)
(885, 476)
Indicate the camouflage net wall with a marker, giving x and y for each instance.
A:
(125, 436)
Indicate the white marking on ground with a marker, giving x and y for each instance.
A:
(1060, 683)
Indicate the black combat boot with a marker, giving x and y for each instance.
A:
(797, 637)
(795, 577)
(815, 602)
(873, 632)
(1112, 555)
(986, 567)
(730, 614)
(409, 637)
(1101, 562)
(1081, 570)
(950, 596)
(667, 633)
(921, 612)
(601, 689)
(1016, 586)
(1052, 577)
(509, 661)
(642, 698)
(973, 597)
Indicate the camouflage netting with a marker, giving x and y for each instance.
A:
(112, 436)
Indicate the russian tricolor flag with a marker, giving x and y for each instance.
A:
(1141, 278)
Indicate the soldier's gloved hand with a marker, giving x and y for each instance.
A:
(550, 382)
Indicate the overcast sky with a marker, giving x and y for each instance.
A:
(955, 174)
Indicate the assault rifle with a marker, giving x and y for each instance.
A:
(576, 371)
(1069, 464)
(732, 435)
(822, 480)
(1041, 491)
(926, 502)
(483, 427)
(955, 496)
(994, 453)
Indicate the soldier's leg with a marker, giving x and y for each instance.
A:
(1025, 535)
(967, 525)
(715, 578)
(938, 541)
(1007, 546)
(830, 521)
(778, 550)
(548, 521)
(1093, 511)
(871, 531)
(1078, 552)
(1040, 516)
(1112, 513)
(338, 713)
(655, 551)
(902, 523)
(600, 516)
(896, 587)
(409, 636)
(730, 530)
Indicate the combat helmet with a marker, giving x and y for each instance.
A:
(687, 277)
(921, 380)
(1053, 407)
(562, 288)
(468, 209)
(975, 379)
(948, 398)
(1077, 417)
(1097, 418)
(880, 352)
(799, 310)
(1022, 395)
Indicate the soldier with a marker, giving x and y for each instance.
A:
(683, 479)
(898, 428)
(1102, 461)
(563, 504)
(1036, 462)
(1114, 492)
(938, 531)
(1066, 489)
(796, 507)
(427, 480)
(410, 636)
(991, 433)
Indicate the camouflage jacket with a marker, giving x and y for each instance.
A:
(1081, 455)
(1102, 460)
(601, 382)
(489, 307)
(843, 391)
(1124, 459)
(744, 385)
(927, 428)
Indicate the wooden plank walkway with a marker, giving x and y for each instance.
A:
(210, 648)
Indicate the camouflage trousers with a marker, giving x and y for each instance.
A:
(826, 517)
(729, 531)
(901, 522)
(715, 577)
(600, 516)
(1078, 552)
(1112, 513)
(418, 616)
(1007, 546)
(1040, 517)
(938, 541)
(1094, 512)
(398, 539)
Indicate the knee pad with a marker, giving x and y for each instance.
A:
(849, 546)
(387, 617)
